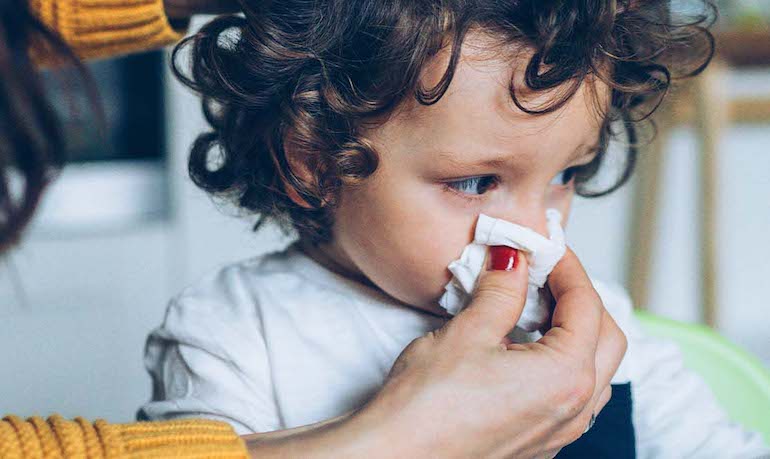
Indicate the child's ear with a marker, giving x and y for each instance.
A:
(300, 168)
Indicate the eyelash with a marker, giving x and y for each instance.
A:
(456, 186)
(568, 174)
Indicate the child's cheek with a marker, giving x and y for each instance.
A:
(560, 198)
(446, 241)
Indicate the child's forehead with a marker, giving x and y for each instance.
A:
(477, 108)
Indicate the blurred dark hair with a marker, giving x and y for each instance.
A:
(32, 147)
(319, 70)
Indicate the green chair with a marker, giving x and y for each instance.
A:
(739, 381)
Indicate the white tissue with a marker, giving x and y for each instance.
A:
(542, 255)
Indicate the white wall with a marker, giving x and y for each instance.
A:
(72, 343)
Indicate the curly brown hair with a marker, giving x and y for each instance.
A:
(32, 145)
(320, 70)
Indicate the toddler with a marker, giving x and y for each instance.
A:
(379, 131)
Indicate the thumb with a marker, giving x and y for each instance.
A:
(499, 297)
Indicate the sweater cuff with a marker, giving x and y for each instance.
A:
(102, 28)
(188, 438)
(57, 437)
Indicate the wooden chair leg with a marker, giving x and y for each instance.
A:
(711, 118)
(645, 214)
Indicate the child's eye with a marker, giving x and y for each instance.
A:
(564, 177)
(473, 185)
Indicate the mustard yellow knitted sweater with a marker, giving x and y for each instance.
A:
(59, 438)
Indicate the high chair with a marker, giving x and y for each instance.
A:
(739, 381)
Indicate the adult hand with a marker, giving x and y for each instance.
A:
(464, 391)
(181, 10)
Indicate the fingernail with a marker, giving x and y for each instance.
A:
(502, 258)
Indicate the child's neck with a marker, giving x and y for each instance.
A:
(328, 256)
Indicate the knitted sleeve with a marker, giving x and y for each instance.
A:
(56, 437)
(102, 28)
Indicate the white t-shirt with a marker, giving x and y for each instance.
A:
(279, 341)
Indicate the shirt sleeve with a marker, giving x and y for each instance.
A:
(675, 414)
(209, 360)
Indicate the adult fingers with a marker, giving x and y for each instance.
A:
(610, 350)
(593, 409)
(578, 310)
(603, 399)
(179, 9)
(498, 299)
(609, 353)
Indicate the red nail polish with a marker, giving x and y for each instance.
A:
(502, 258)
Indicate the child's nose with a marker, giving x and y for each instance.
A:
(530, 216)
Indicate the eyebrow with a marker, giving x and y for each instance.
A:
(582, 151)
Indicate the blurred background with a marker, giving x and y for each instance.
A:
(123, 229)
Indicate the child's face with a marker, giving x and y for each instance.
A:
(442, 165)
